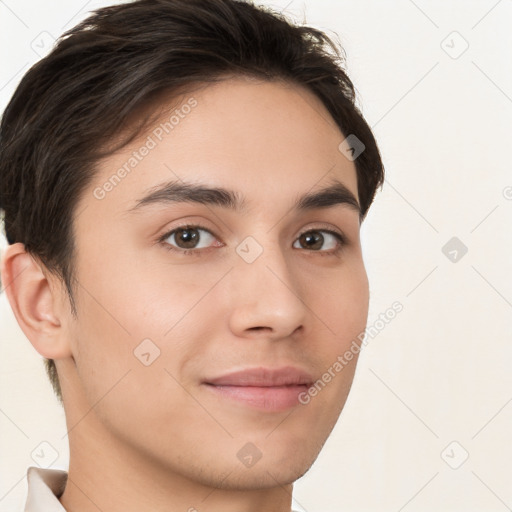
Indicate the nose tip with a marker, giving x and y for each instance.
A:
(266, 300)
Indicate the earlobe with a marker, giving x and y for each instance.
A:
(33, 302)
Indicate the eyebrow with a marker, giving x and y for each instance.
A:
(170, 192)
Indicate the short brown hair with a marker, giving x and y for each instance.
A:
(100, 72)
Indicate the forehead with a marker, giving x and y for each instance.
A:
(265, 139)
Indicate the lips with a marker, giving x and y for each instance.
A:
(264, 377)
(264, 389)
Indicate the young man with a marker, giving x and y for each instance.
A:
(183, 184)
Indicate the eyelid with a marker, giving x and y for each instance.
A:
(328, 228)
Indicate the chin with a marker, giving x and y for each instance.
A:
(279, 467)
(265, 477)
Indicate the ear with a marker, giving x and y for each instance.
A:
(35, 303)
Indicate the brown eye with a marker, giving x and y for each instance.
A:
(315, 240)
(311, 240)
(186, 238)
(189, 237)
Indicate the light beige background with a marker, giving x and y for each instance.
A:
(440, 371)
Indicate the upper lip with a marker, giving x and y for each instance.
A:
(264, 377)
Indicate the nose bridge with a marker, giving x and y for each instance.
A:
(266, 292)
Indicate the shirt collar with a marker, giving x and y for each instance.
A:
(45, 486)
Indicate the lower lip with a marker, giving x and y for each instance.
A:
(271, 399)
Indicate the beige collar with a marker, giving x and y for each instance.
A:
(45, 486)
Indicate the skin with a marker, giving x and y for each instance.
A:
(152, 437)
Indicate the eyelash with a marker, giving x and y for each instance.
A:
(342, 241)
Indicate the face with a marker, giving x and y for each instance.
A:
(185, 287)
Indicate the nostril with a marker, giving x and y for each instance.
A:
(260, 328)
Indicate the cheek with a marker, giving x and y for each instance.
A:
(341, 302)
(132, 314)
(128, 370)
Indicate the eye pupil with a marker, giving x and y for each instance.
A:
(188, 236)
(315, 237)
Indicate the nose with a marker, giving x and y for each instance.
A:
(266, 298)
